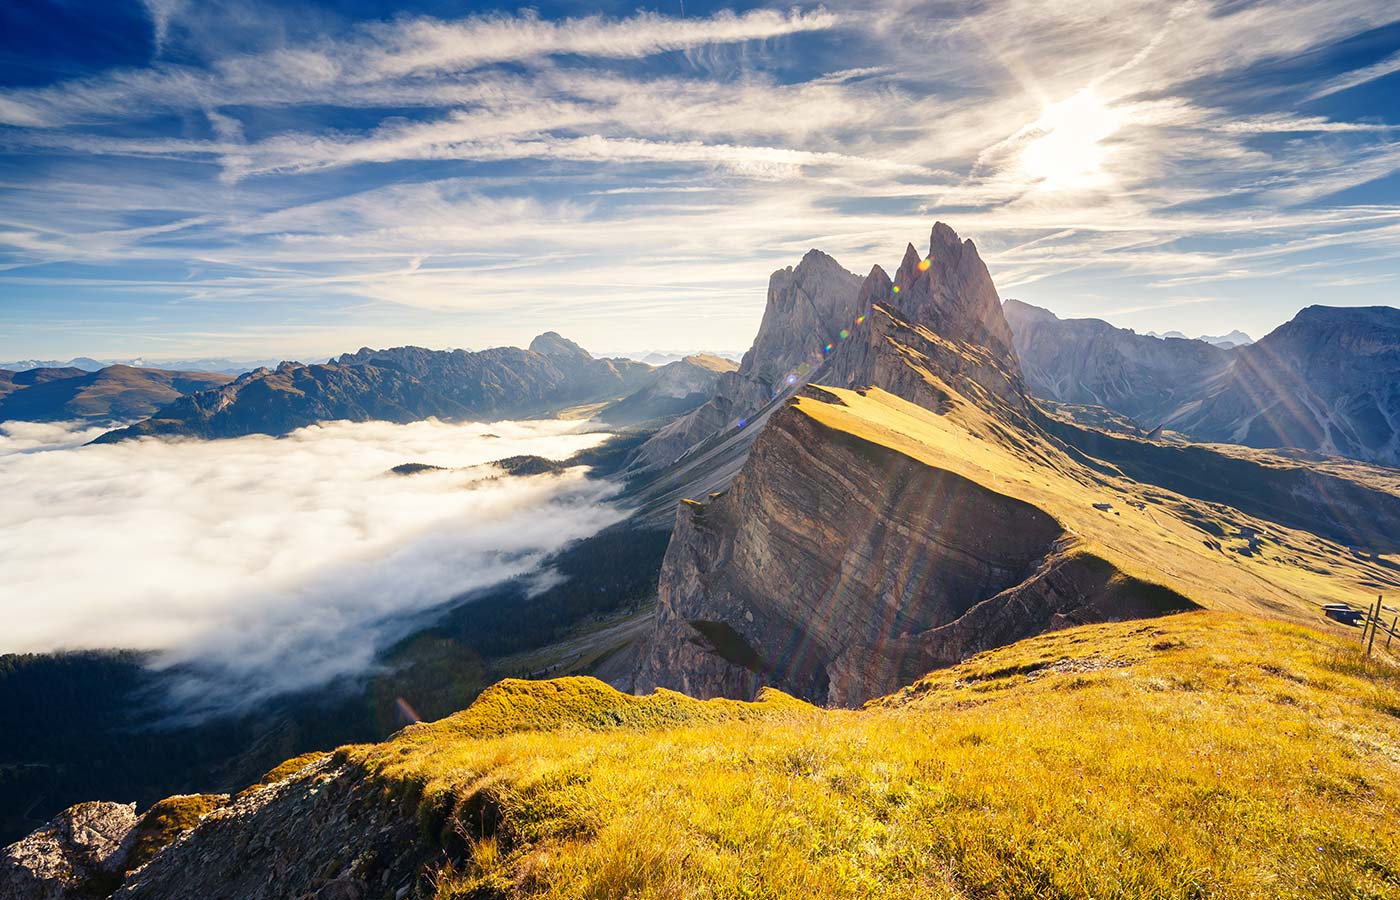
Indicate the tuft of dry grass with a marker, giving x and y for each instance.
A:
(1199, 755)
(165, 821)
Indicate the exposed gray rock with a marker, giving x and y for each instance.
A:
(807, 308)
(326, 832)
(837, 569)
(674, 389)
(78, 855)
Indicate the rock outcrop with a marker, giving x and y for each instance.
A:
(807, 309)
(324, 832)
(79, 855)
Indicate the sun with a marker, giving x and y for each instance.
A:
(1067, 150)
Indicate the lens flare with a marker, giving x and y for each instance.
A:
(896, 289)
(924, 264)
(408, 712)
(845, 334)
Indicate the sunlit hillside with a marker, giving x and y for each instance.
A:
(1203, 754)
(1215, 555)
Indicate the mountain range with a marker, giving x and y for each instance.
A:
(220, 364)
(1327, 381)
(925, 508)
(404, 384)
(110, 394)
(1235, 338)
(1074, 661)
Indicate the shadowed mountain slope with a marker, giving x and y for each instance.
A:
(1327, 381)
(675, 389)
(111, 394)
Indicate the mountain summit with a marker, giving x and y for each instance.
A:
(913, 506)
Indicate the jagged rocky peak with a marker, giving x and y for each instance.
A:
(951, 291)
(807, 307)
(943, 310)
(555, 346)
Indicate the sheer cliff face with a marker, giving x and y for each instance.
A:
(910, 508)
(807, 308)
(825, 548)
(839, 569)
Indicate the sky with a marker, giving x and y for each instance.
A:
(262, 179)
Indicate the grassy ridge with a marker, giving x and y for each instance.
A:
(1201, 755)
(1197, 548)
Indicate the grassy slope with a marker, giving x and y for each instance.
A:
(1165, 543)
(1204, 754)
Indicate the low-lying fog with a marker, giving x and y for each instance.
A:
(266, 564)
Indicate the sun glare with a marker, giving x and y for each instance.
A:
(1068, 151)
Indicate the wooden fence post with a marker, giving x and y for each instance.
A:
(1375, 619)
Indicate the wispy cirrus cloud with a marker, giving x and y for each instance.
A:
(589, 173)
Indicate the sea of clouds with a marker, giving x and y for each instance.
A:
(259, 566)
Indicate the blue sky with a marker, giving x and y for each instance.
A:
(181, 178)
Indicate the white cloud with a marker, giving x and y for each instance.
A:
(263, 565)
(579, 183)
(1388, 66)
(373, 64)
(162, 12)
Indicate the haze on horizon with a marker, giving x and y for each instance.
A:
(275, 179)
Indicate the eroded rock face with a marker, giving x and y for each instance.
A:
(80, 854)
(807, 308)
(824, 543)
(324, 833)
(838, 569)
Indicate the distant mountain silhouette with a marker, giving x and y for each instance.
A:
(111, 394)
(1327, 381)
(400, 384)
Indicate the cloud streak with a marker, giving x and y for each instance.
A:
(258, 566)
(585, 172)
